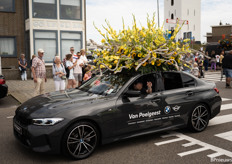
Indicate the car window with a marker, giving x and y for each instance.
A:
(172, 80)
(144, 79)
(188, 81)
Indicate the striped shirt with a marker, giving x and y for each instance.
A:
(39, 66)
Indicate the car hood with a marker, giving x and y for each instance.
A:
(50, 104)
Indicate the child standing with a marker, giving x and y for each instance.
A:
(195, 70)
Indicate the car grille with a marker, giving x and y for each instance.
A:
(22, 121)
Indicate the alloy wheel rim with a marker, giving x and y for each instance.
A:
(200, 118)
(81, 141)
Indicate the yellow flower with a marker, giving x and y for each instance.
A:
(172, 38)
(139, 55)
(144, 64)
(102, 66)
(158, 63)
(154, 55)
(103, 40)
(116, 61)
(94, 60)
(152, 62)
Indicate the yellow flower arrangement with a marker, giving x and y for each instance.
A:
(143, 49)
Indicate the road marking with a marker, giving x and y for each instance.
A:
(193, 141)
(10, 117)
(226, 106)
(226, 135)
(169, 141)
(221, 120)
(193, 151)
(226, 99)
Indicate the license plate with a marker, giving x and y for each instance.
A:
(18, 128)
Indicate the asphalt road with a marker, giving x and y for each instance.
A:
(182, 146)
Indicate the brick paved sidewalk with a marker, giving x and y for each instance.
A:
(24, 90)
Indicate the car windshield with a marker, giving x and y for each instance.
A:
(106, 84)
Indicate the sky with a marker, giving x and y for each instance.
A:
(212, 12)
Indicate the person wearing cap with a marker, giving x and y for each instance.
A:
(23, 66)
(227, 68)
(39, 73)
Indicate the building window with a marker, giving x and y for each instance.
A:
(8, 46)
(172, 2)
(26, 9)
(194, 12)
(194, 27)
(70, 39)
(172, 16)
(47, 40)
(45, 9)
(7, 5)
(188, 12)
(70, 9)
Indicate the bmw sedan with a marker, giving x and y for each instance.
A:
(113, 107)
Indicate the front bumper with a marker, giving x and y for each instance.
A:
(39, 138)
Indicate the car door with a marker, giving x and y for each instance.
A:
(141, 112)
(178, 97)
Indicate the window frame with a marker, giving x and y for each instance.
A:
(81, 10)
(56, 32)
(56, 17)
(15, 46)
(10, 11)
(75, 32)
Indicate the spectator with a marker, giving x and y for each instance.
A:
(88, 73)
(188, 59)
(217, 60)
(78, 69)
(195, 70)
(227, 68)
(213, 61)
(221, 58)
(39, 72)
(206, 61)
(70, 65)
(59, 74)
(85, 60)
(33, 56)
(23, 66)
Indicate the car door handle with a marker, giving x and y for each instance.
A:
(155, 100)
(189, 93)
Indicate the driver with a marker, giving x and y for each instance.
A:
(138, 86)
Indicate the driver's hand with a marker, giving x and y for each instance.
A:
(149, 84)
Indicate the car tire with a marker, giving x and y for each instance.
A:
(199, 118)
(80, 140)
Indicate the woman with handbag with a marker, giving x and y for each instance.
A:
(23, 66)
(59, 74)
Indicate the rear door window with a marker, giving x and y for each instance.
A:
(188, 81)
(172, 80)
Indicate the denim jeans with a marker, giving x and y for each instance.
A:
(24, 75)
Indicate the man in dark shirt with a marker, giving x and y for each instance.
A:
(227, 68)
(139, 87)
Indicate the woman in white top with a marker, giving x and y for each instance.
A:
(70, 65)
(59, 74)
(83, 56)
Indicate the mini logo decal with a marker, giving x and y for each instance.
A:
(167, 109)
(176, 108)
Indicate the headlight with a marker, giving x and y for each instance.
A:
(46, 121)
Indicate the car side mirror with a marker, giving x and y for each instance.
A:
(132, 93)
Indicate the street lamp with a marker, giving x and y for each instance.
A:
(158, 12)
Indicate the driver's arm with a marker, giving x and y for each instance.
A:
(149, 87)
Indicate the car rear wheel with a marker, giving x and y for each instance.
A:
(199, 118)
(80, 140)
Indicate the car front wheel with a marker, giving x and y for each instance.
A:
(199, 118)
(80, 140)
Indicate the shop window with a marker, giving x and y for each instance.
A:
(7, 5)
(47, 40)
(8, 46)
(45, 9)
(70, 9)
(70, 39)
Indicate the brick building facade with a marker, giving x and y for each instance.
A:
(12, 31)
(219, 32)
